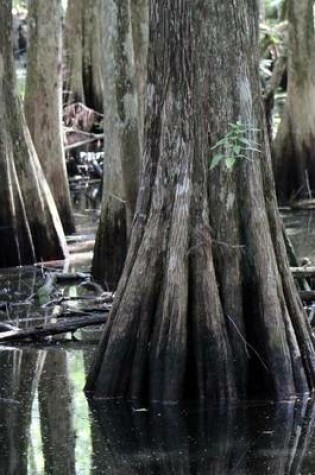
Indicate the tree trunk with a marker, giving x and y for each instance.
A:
(206, 306)
(91, 70)
(73, 57)
(294, 146)
(121, 137)
(83, 79)
(29, 223)
(43, 100)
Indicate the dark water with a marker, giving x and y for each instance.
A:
(48, 427)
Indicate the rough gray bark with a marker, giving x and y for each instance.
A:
(294, 146)
(206, 306)
(29, 223)
(121, 138)
(43, 100)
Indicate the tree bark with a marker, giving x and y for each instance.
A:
(206, 306)
(30, 226)
(43, 100)
(121, 137)
(294, 146)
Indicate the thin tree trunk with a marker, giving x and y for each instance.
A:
(29, 223)
(73, 57)
(92, 54)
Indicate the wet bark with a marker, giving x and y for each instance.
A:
(29, 223)
(294, 146)
(206, 306)
(121, 137)
(43, 100)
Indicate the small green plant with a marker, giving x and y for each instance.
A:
(233, 146)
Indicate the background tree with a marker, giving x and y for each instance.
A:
(29, 223)
(206, 306)
(83, 80)
(140, 36)
(294, 146)
(121, 138)
(43, 99)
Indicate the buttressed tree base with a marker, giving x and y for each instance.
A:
(206, 306)
(30, 228)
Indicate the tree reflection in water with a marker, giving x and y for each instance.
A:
(235, 439)
(20, 371)
(55, 408)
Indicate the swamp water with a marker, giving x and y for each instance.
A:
(47, 426)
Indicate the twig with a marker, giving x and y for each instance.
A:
(247, 344)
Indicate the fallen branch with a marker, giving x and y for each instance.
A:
(93, 138)
(52, 328)
(303, 204)
(307, 271)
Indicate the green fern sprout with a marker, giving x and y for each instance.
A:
(233, 146)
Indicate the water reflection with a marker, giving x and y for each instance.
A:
(55, 408)
(255, 439)
(46, 427)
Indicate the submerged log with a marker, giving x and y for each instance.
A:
(52, 328)
(303, 204)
